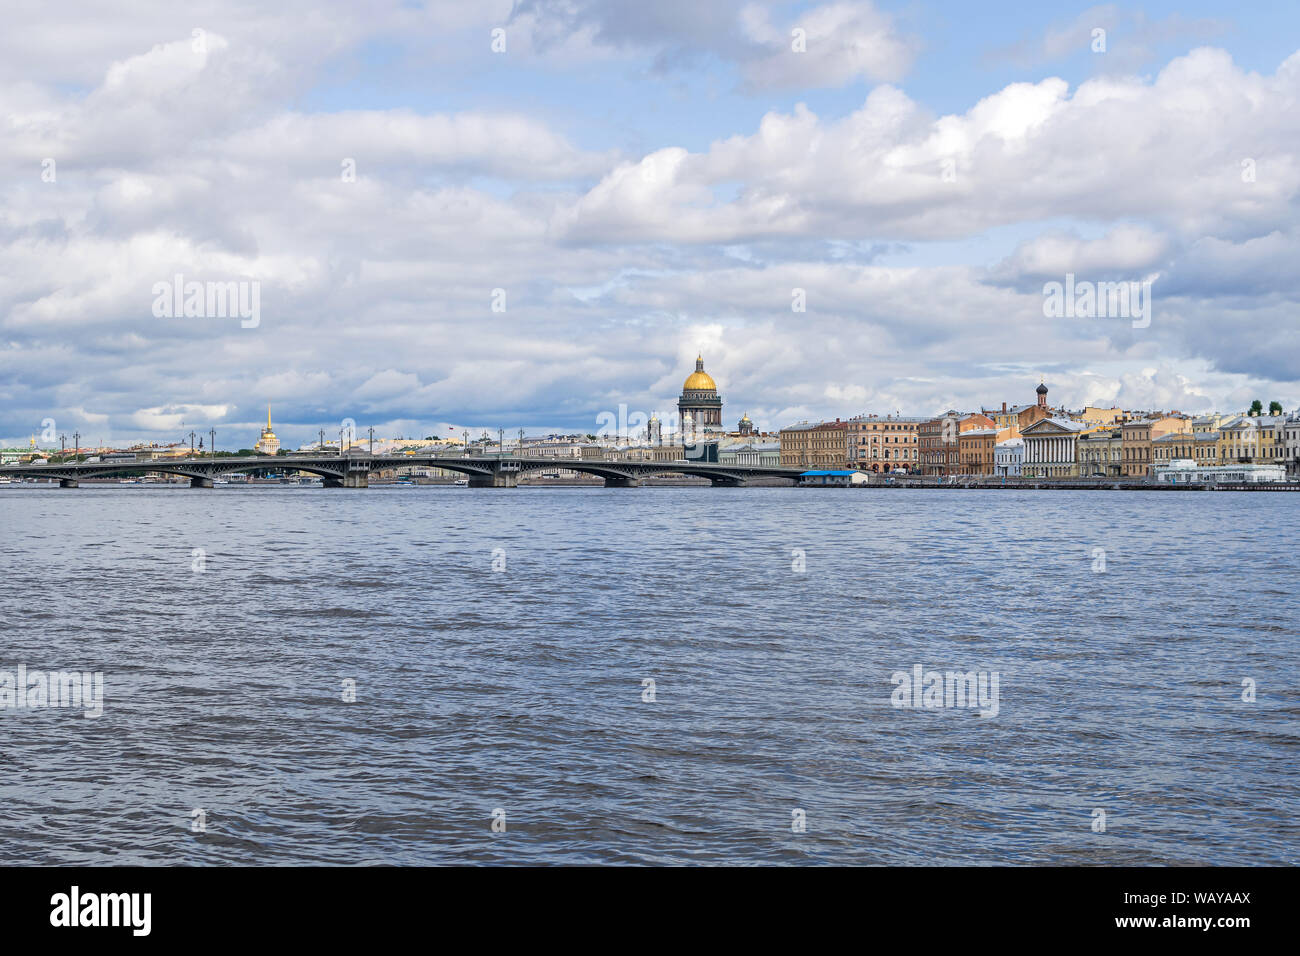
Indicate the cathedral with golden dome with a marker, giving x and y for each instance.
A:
(700, 407)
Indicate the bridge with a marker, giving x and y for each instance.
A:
(353, 470)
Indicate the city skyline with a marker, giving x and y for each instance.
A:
(630, 424)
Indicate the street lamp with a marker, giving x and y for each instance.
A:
(372, 442)
(212, 442)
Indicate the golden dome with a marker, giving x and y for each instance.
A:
(699, 380)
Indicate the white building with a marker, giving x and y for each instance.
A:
(1050, 448)
(1185, 471)
(1008, 457)
(757, 454)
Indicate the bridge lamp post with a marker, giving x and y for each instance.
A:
(212, 442)
(76, 443)
(62, 445)
(191, 444)
(342, 432)
(322, 441)
(501, 442)
(372, 442)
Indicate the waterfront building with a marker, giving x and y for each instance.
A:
(268, 444)
(1008, 457)
(1207, 447)
(1257, 439)
(700, 407)
(833, 478)
(932, 439)
(882, 444)
(1199, 447)
(938, 440)
(1050, 448)
(975, 451)
(815, 444)
(1137, 437)
(1184, 471)
(1100, 452)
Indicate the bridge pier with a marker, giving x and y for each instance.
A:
(727, 482)
(352, 478)
(68, 483)
(502, 479)
(200, 482)
(622, 482)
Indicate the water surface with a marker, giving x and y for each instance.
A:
(522, 689)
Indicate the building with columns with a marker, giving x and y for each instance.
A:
(1050, 448)
(699, 408)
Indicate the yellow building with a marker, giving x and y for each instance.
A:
(1138, 436)
(815, 444)
(1252, 440)
(882, 444)
(1099, 452)
(1093, 416)
(268, 444)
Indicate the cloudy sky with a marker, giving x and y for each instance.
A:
(523, 214)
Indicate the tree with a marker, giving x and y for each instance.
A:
(1275, 408)
(1256, 408)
